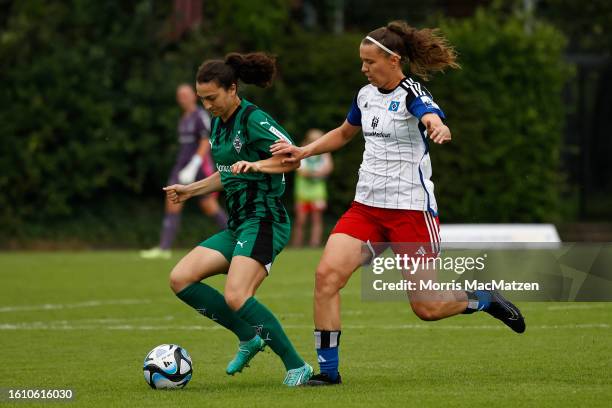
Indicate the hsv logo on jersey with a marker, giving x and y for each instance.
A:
(394, 106)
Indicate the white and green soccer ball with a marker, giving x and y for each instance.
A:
(167, 366)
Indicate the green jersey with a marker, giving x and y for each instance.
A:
(247, 135)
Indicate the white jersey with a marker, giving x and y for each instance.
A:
(396, 169)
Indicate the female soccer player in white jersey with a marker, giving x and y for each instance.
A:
(394, 200)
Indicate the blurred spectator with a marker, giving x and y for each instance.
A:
(311, 192)
(193, 162)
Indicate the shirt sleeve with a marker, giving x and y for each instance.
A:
(419, 100)
(354, 114)
(424, 104)
(263, 131)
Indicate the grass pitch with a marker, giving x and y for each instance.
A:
(86, 320)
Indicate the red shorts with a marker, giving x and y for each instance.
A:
(373, 225)
(310, 206)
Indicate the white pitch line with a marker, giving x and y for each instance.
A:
(579, 306)
(64, 325)
(98, 303)
(89, 303)
(104, 320)
(300, 293)
(69, 327)
(344, 313)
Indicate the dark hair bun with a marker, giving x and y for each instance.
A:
(254, 68)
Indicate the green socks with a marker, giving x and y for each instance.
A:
(210, 303)
(259, 316)
(244, 323)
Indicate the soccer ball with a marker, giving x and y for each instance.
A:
(167, 366)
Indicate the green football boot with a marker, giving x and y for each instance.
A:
(298, 376)
(246, 351)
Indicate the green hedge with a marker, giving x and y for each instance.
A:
(85, 108)
(87, 111)
(506, 113)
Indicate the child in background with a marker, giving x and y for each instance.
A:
(311, 193)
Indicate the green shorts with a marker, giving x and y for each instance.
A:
(255, 238)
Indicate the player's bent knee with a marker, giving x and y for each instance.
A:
(328, 280)
(176, 284)
(235, 299)
(179, 280)
(427, 311)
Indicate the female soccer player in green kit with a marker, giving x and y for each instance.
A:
(258, 226)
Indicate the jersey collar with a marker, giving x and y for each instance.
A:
(388, 91)
(229, 125)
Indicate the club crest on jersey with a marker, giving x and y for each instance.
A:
(394, 106)
(237, 143)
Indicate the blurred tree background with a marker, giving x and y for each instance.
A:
(88, 117)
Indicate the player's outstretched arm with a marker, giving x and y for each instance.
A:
(438, 132)
(273, 165)
(178, 193)
(329, 142)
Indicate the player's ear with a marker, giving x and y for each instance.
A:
(395, 61)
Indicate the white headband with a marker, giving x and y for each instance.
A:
(382, 46)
